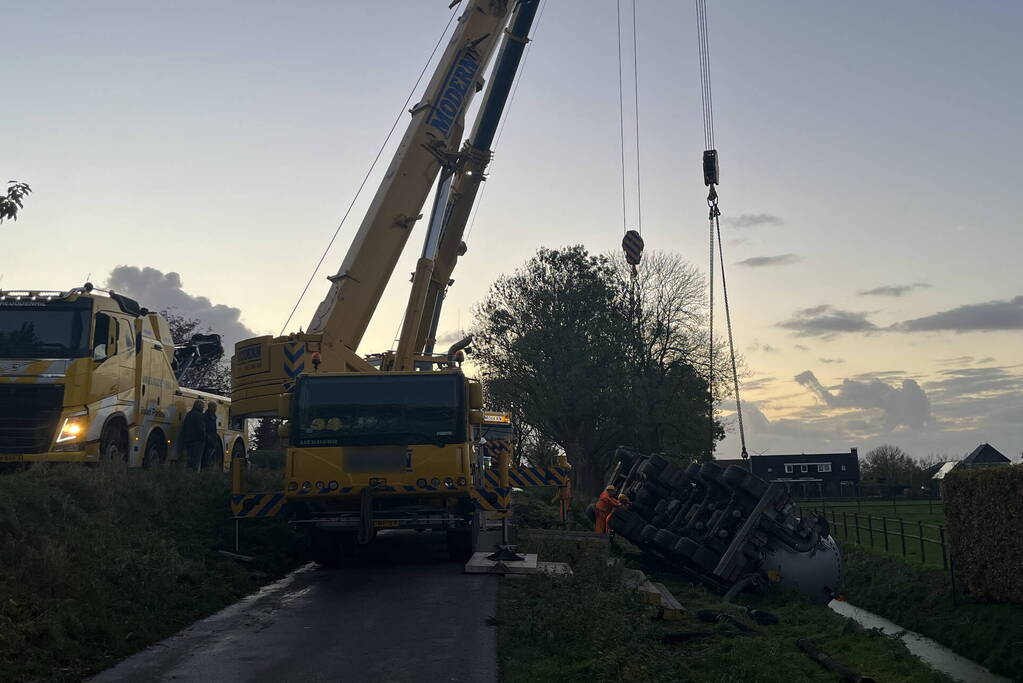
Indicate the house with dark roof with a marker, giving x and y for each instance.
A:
(984, 455)
(808, 474)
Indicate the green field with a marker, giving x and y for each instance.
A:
(890, 527)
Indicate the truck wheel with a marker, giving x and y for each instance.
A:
(459, 544)
(113, 444)
(156, 451)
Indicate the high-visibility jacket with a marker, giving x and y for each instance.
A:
(606, 504)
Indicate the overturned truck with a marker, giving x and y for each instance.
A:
(726, 527)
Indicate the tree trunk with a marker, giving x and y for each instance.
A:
(588, 476)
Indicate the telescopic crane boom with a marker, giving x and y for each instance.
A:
(263, 367)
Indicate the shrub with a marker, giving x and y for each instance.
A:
(984, 517)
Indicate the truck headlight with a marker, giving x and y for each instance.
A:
(73, 428)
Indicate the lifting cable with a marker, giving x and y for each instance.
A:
(711, 180)
(632, 242)
(365, 179)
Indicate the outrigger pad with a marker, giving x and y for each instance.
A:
(506, 553)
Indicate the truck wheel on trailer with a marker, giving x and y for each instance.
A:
(459, 544)
(156, 450)
(113, 444)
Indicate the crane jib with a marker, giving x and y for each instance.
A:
(457, 85)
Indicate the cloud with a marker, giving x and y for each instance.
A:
(800, 347)
(831, 360)
(159, 291)
(757, 346)
(751, 220)
(827, 321)
(984, 317)
(893, 290)
(906, 406)
(761, 261)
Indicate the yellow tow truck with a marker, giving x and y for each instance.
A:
(90, 376)
(393, 439)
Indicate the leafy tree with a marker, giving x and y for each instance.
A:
(589, 359)
(265, 437)
(548, 339)
(889, 466)
(12, 202)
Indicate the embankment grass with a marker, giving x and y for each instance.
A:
(586, 627)
(920, 599)
(95, 564)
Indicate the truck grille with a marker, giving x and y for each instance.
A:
(28, 416)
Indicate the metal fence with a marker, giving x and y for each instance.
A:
(874, 504)
(911, 539)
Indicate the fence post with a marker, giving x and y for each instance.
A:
(884, 530)
(902, 535)
(856, 523)
(923, 552)
(944, 556)
(870, 530)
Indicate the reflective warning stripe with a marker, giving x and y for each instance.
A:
(251, 505)
(539, 476)
(491, 499)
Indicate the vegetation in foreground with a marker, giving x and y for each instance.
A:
(95, 564)
(920, 599)
(586, 627)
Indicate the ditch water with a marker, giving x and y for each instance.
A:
(933, 654)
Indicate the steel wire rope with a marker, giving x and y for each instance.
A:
(635, 85)
(621, 114)
(707, 98)
(376, 159)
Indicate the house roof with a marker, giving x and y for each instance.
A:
(984, 454)
(945, 469)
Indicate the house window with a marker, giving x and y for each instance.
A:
(769, 469)
(802, 468)
(824, 467)
(843, 468)
(788, 469)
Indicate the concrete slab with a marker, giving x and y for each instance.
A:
(479, 564)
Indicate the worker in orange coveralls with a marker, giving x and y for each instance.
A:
(606, 505)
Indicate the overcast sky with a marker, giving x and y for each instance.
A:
(870, 166)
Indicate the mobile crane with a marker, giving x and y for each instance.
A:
(388, 440)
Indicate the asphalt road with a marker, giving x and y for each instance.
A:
(404, 613)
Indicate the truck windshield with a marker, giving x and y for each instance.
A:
(32, 330)
(378, 409)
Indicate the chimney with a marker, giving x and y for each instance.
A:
(854, 452)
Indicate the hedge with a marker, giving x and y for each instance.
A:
(984, 518)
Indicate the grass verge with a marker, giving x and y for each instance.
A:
(586, 627)
(920, 599)
(97, 563)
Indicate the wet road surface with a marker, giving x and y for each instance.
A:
(404, 613)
